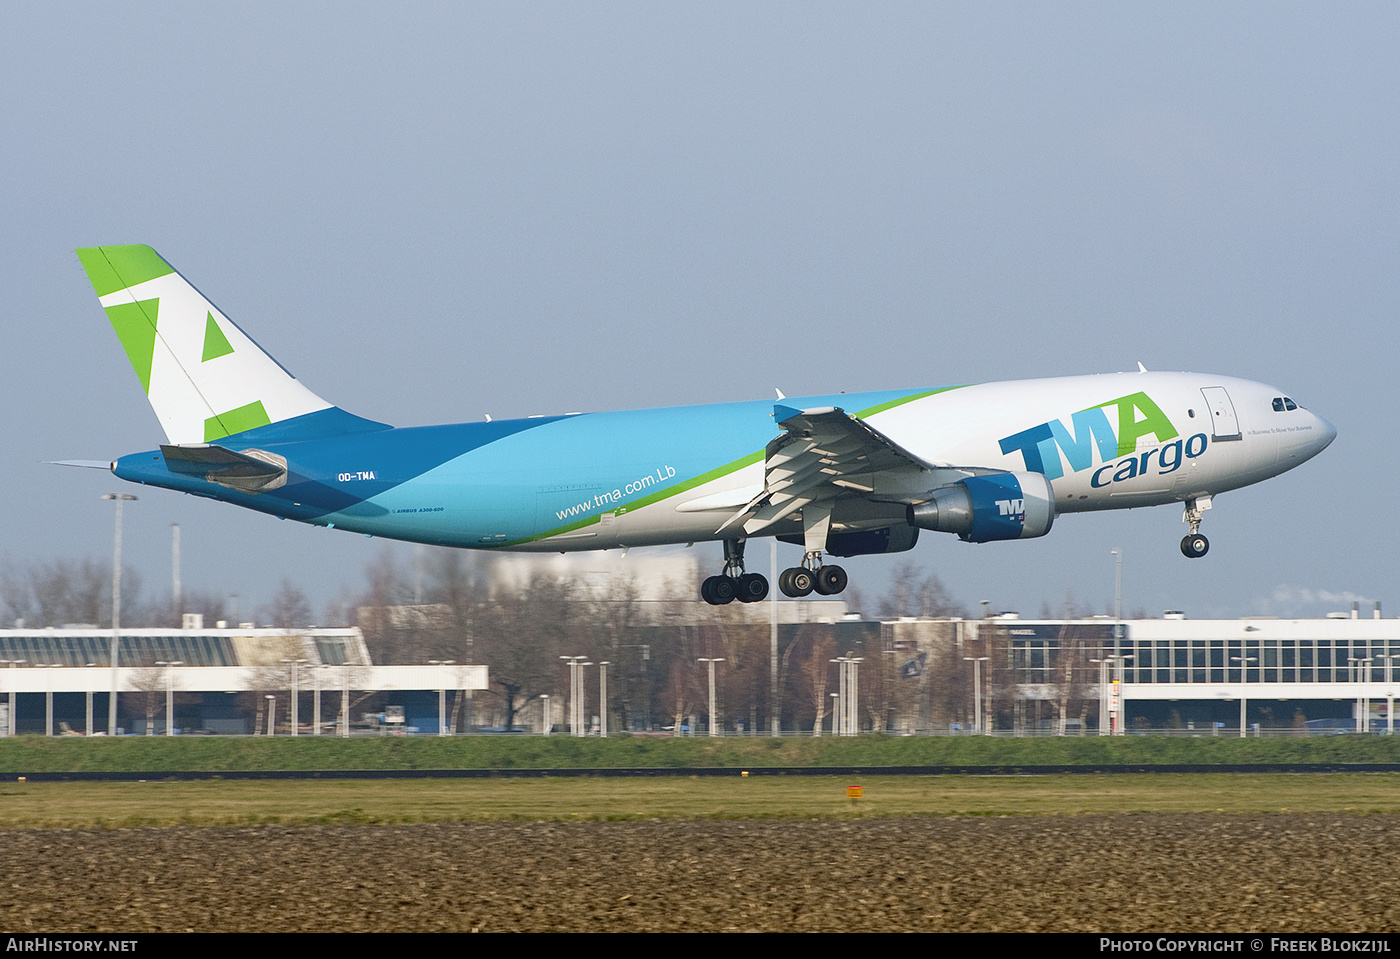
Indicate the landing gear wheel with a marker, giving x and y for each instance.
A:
(753, 588)
(1194, 546)
(718, 590)
(830, 580)
(796, 582)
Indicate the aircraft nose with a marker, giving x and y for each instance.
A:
(1306, 440)
(1326, 432)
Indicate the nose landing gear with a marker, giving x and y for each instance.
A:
(1194, 545)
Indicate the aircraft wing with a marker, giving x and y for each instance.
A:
(825, 453)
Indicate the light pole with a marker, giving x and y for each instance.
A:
(646, 686)
(1244, 662)
(711, 664)
(1118, 706)
(603, 699)
(176, 599)
(1117, 590)
(87, 681)
(1390, 696)
(1105, 717)
(853, 700)
(838, 716)
(977, 662)
(295, 690)
(119, 499)
(442, 696)
(848, 684)
(345, 702)
(11, 722)
(48, 697)
(170, 693)
(775, 721)
(1361, 671)
(1111, 693)
(576, 704)
(316, 699)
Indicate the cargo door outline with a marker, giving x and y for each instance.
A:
(1224, 424)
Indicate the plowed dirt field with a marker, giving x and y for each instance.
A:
(1120, 873)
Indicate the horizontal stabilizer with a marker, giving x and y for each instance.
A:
(251, 471)
(85, 464)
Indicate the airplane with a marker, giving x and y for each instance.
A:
(840, 475)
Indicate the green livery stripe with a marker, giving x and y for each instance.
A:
(215, 343)
(905, 399)
(112, 268)
(235, 421)
(691, 484)
(559, 531)
(657, 497)
(703, 478)
(135, 324)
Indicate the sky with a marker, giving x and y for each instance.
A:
(431, 212)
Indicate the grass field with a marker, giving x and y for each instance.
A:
(214, 802)
(216, 754)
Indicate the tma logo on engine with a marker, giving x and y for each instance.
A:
(1047, 448)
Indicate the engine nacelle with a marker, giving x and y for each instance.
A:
(864, 542)
(981, 509)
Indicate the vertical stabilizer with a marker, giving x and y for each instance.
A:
(205, 378)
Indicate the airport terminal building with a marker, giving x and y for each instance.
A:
(226, 679)
(1000, 675)
(1322, 675)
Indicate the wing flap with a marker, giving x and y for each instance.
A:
(824, 453)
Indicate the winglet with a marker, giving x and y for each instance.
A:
(782, 413)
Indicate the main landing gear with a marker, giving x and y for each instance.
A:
(796, 582)
(812, 575)
(1194, 545)
(734, 583)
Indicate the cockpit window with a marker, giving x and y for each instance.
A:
(1282, 403)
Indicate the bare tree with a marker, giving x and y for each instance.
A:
(606, 622)
(818, 672)
(525, 633)
(289, 608)
(1069, 689)
(15, 594)
(60, 592)
(915, 593)
(682, 695)
(148, 682)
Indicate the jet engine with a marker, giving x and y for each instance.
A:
(865, 542)
(981, 509)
